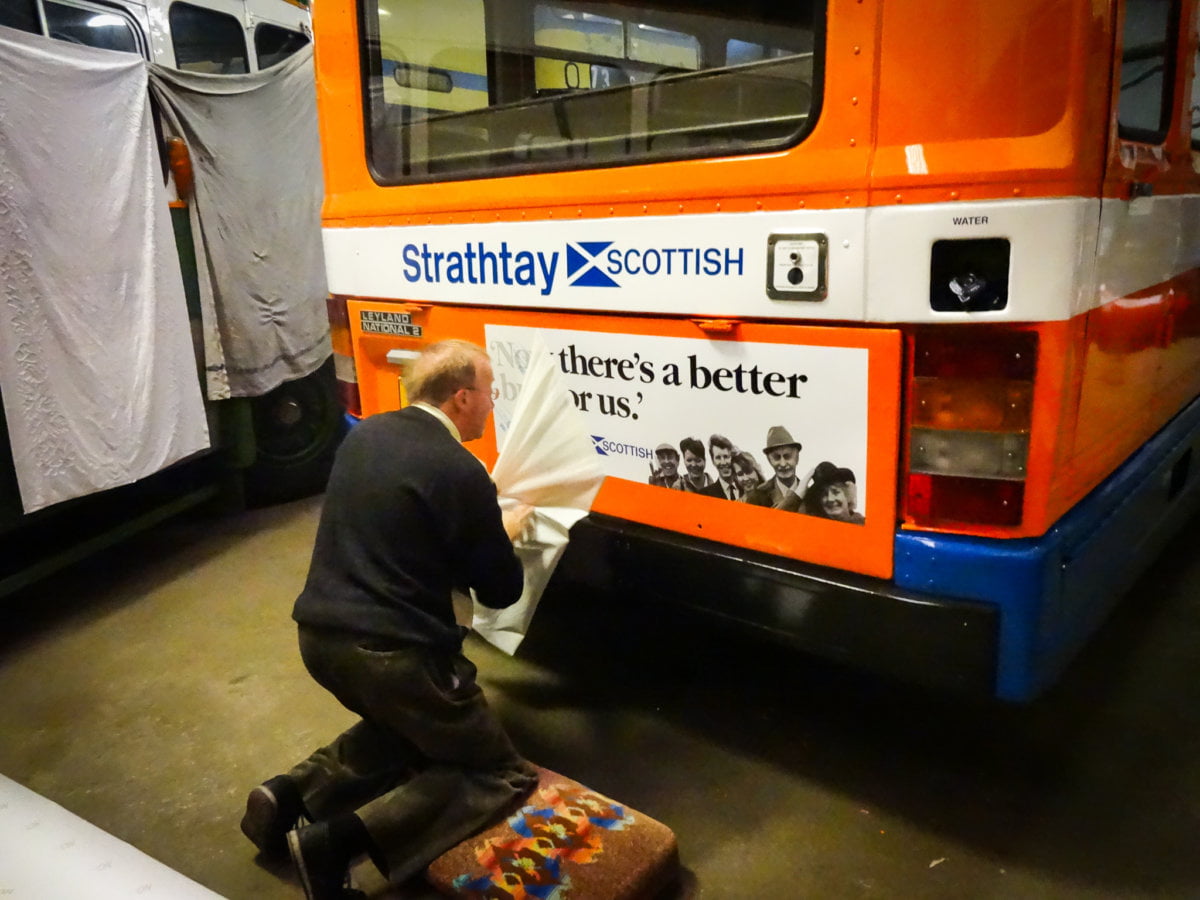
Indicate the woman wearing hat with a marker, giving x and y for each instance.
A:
(784, 490)
(832, 494)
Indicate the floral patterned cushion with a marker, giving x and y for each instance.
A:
(565, 842)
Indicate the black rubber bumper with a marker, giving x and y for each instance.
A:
(864, 622)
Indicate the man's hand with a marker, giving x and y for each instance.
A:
(515, 519)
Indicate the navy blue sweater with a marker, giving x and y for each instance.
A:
(409, 513)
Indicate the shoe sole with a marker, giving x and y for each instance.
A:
(260, 823)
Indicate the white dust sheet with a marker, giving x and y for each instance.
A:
(50, 852)
(97, 368)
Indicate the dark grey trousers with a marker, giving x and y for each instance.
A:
(428, 765)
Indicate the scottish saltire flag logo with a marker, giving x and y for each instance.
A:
(583, 264)
(598, 440)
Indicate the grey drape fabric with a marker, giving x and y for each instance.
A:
(256, 219)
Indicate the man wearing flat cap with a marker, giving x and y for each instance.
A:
(666, 474)
(784, 491)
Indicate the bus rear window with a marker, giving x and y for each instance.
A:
(94, 26)
(470, 88)
(274, 44)
(20, 14)
(207, 41)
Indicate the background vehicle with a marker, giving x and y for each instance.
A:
(265, 448)
(950, 249)
(213, 36)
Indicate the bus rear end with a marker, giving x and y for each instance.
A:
(824, 281)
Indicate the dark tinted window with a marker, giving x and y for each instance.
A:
(207, 41)
(1148, 50)
(21, 14)
(274, 44)
(93, 26)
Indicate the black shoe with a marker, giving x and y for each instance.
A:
(267, 821)
(324, 872)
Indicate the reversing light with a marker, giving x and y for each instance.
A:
(974, 454)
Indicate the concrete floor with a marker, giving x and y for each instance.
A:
(148, 689)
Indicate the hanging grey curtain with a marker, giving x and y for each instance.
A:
(256, 219)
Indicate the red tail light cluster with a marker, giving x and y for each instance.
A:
(970, 409)
(343, 355)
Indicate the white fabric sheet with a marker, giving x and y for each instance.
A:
(549, 462)
(97, 369)
(256, 219)
(50, 852)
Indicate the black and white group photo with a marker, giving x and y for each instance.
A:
(827, 491)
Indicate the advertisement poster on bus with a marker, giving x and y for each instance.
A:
(775, 425)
